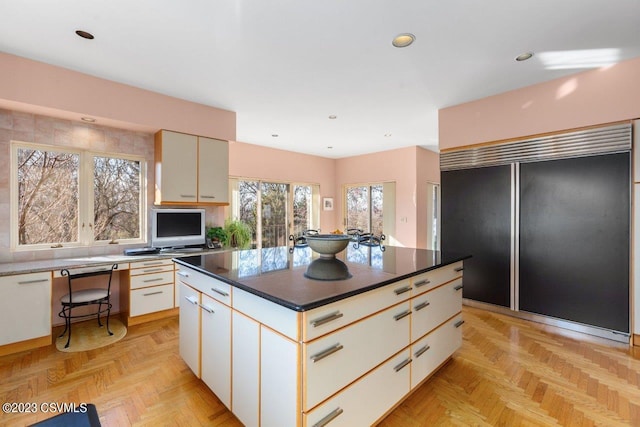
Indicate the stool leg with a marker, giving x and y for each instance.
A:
(68, 325)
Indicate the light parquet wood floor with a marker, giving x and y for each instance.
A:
(509, 372)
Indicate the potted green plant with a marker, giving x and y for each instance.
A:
(217, 234)
(238, 234)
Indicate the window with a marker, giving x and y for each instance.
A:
(73, 198)
(274, 210)
(372, 209)
(433, 216)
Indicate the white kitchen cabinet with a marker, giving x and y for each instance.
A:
(190, 327)
(215, 365)
(432, 308)
(190, 170)
(31, 317)
(245, 378)
(151, 288)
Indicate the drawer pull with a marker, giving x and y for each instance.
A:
(327, 352)
(400, 291)
(421, 351)
(207, 309)
(330, 417)
(218, 291)
(326, 319)
(192, 300)
(421, 305)
(458, 269)
(182, 273)
(202, 196)
(152, 293)
(152, 270)
(30, 282)
(402, 315)
(457, 288)
(422, 283)
(153, 280)
(459, 323)
(187, 195)
(402, 364)
(148, 264)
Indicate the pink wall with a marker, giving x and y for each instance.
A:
(397, 166)
(255, 161)
(39, 88)
(588, 98)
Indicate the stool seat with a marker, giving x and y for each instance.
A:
(85, 296)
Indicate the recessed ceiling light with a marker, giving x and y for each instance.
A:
(403, 40)
(330, 147)
(333, 117)
(275, 135)
(88, 119)
(388, 134)
(524, 56)
(85, 34)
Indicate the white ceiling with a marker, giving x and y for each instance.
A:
(285, 66)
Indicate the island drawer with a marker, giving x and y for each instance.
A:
(151, 266)
(149, 300)
(429, 352)
(337, 359)
(365, 401)
(432, 308)
(275, 316)
(208, 285)
(328, 318)
(434, 278)
(153, 279)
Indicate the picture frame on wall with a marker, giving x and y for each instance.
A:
(327, 203)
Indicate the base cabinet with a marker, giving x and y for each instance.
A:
(246, 370)
(215, 352)
(190, 328)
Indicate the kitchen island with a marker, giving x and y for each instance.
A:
(280, 348)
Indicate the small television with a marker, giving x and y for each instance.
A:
(177, 228)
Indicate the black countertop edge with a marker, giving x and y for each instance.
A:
(321, 302)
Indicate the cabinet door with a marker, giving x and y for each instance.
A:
(190, 328)
(245, 370)
(434, 307)
(279, 382)
(216, 348)
(18, 323)
(476, 220)
(213, 171)
(574, 239)
(177, 168)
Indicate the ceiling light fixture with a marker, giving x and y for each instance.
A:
(387, 135)
(88, 119)
(85, 34)
(524, 56)
(333, 117)
(403, 40)
(275, 135)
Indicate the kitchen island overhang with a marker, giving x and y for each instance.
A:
(279, 348)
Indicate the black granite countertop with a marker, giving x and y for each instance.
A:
(280, 274)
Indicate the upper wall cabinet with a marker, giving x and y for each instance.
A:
(191, 170)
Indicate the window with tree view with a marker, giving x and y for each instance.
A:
(67, 198)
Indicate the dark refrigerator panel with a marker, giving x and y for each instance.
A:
(574, 239)
(476, 220)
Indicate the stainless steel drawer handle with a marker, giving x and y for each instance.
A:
(148, 264)
(152, 270)
(457, 288)
(192, 300)
(182, 274)
(330, 417)
(421, 305)
(187, 195)
(422, 283)
(207, 309)
(218, 291)
(402, 315)
(402, 364)
(422, 351)
(153, 280)
(459, 323)
(152, 293)
(458, 269)
(326, 319)
(327, 352)
(202, 196)
(402, 290)
(30, 282)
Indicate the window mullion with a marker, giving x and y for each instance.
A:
(86, 200)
